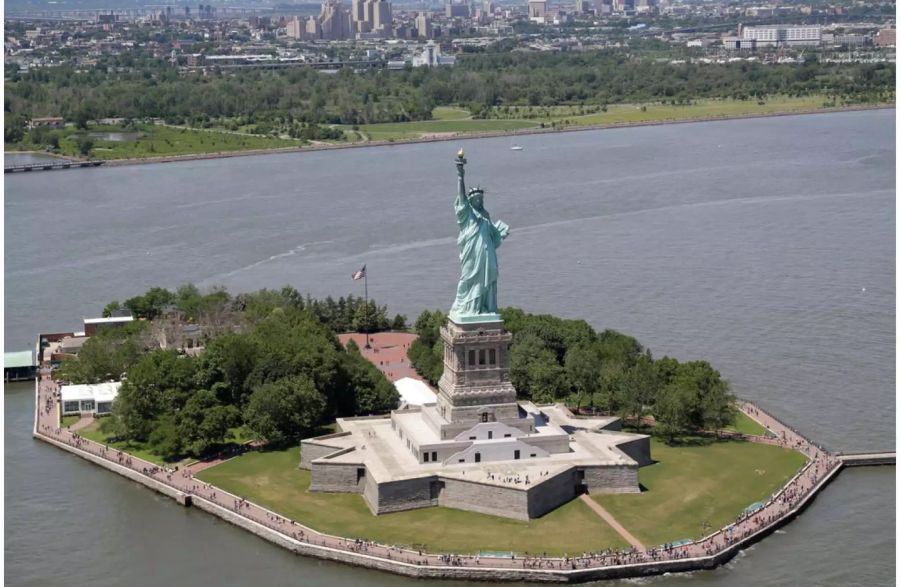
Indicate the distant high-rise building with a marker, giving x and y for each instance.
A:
(423, 26)
(537, 10)
(335, 21)
(296, 28)
(454, 9)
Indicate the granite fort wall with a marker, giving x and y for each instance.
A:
(495, 500)
(552, 493)
(315, 448)
(612, 479)
(396, 496)
(338, 477)
(638, 449)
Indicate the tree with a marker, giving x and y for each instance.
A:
(14, 128)
(110, 308)
(226, 365)
(638, 389)
(160, 383)
(583, 368)
(204, 422)
(164, 439)
(547, 378)
(370, 390)
(525, 350)
(286, 410)
(85, 145)
(151, 304)
(696, 398)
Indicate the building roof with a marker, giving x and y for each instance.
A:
(18, 359)
(73, 342)
(110, 320)
(99, 392)
(414, 392)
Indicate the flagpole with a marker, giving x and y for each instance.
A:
(366, 281)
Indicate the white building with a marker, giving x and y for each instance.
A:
(776, 36)
(430, 56)
(89, 399)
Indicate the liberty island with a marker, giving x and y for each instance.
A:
(459, 383)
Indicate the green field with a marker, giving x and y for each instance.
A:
(630, 113)
(688, 486)
(135, 449)
(457, 120)
(450, 113)
(744, 424)
(273, 480)
(693, 490)
(159, 140)
(414, 130)
(69, 420)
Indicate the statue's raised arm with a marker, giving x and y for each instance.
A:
(462, 198)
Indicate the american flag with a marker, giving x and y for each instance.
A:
(359, 274)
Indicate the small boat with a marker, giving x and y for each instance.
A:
(516, 148)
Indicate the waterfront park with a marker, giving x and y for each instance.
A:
(634, 460)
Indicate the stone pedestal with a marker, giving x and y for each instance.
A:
(475, 385)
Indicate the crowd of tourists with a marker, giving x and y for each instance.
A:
(786, 500)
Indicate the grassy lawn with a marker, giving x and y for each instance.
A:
(69, 420)
(412, 130)
(662, 112)
(158, 140)
(746, 425)
(135, 449)
(450, 113)
(693, 485)
(273, 480)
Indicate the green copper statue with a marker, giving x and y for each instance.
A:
(479, 239)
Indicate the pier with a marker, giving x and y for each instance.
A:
(868, 459)
(50, 166)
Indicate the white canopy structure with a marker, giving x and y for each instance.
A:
(414, 392)
(94, 399)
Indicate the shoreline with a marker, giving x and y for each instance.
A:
(709, 552)
(463, 136)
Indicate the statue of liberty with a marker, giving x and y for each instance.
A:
(479, 239)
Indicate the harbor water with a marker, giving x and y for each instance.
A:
(765, 246)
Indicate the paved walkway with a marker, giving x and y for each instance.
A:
(387, 352)
(609, 519)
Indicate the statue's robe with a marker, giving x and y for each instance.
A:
(478, 241)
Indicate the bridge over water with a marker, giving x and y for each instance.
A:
(49, 166)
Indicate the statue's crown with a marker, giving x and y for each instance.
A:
(474, 191)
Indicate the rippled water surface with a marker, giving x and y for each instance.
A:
(765, 246)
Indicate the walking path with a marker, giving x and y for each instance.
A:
(608, 517)
(708, 552)
(387, 352)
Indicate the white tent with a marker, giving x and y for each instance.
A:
(96, 398)
(414, 392)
